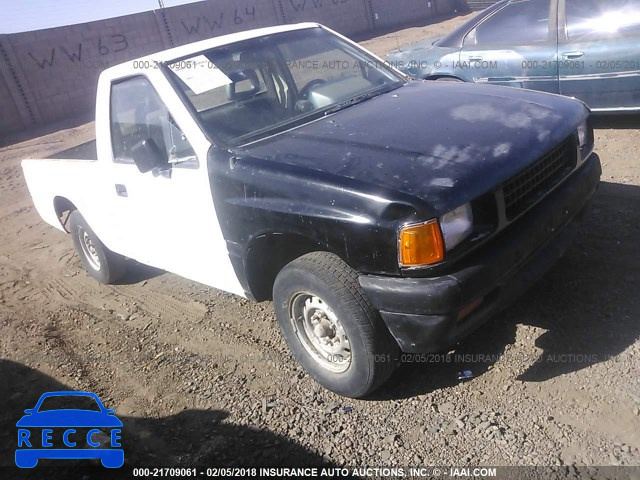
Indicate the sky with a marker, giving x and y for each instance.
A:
(26, 15)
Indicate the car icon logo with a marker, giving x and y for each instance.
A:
(52, 430)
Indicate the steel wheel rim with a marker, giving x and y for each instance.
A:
(89, 249)
(320, 332)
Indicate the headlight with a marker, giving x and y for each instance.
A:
(456, 225)
(583, 134)
(423, 244)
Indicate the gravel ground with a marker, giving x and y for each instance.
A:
(201, 377)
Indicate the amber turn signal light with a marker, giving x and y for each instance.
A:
(420, 245)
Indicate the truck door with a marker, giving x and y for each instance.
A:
(167, 218)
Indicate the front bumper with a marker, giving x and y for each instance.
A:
(424, 314)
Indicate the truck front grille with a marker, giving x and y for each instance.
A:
(529, 186)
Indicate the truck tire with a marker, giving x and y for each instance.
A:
(331, 328)
(100, 262)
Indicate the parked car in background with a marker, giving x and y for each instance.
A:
(587, 49)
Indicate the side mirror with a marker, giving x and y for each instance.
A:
(147, 155)
(29, 411)
(109, 411)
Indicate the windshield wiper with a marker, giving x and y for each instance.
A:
(257, 135)
(361, 98)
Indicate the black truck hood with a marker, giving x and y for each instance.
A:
(443, 143)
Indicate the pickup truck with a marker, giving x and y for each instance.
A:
(380, 214)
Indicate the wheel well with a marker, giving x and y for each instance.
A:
(62, 205)
(268, 254)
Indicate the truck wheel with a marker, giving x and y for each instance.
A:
(330, 327)
(100, 262)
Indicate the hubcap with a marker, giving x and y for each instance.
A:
(320, 332)
(89, 249)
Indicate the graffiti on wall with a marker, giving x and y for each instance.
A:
(210, 23)
(103, 46)
(302, 5)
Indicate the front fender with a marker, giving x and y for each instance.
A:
(258, 198)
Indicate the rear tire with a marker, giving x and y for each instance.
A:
(99, 262)
(331, 328)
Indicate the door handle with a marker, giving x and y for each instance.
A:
(572, 55)
(121, 190)
(475, 59)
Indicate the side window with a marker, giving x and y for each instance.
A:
(521, 22)
(137, 114)
(594, 19)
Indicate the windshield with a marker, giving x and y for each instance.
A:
(66, 402)
(248, 90)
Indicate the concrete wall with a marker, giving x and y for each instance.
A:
(9, 117)
(198, 21)
(386, 13)
(345, 16)
(51, 74)
(59, 67)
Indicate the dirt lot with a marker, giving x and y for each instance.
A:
(202, 377)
